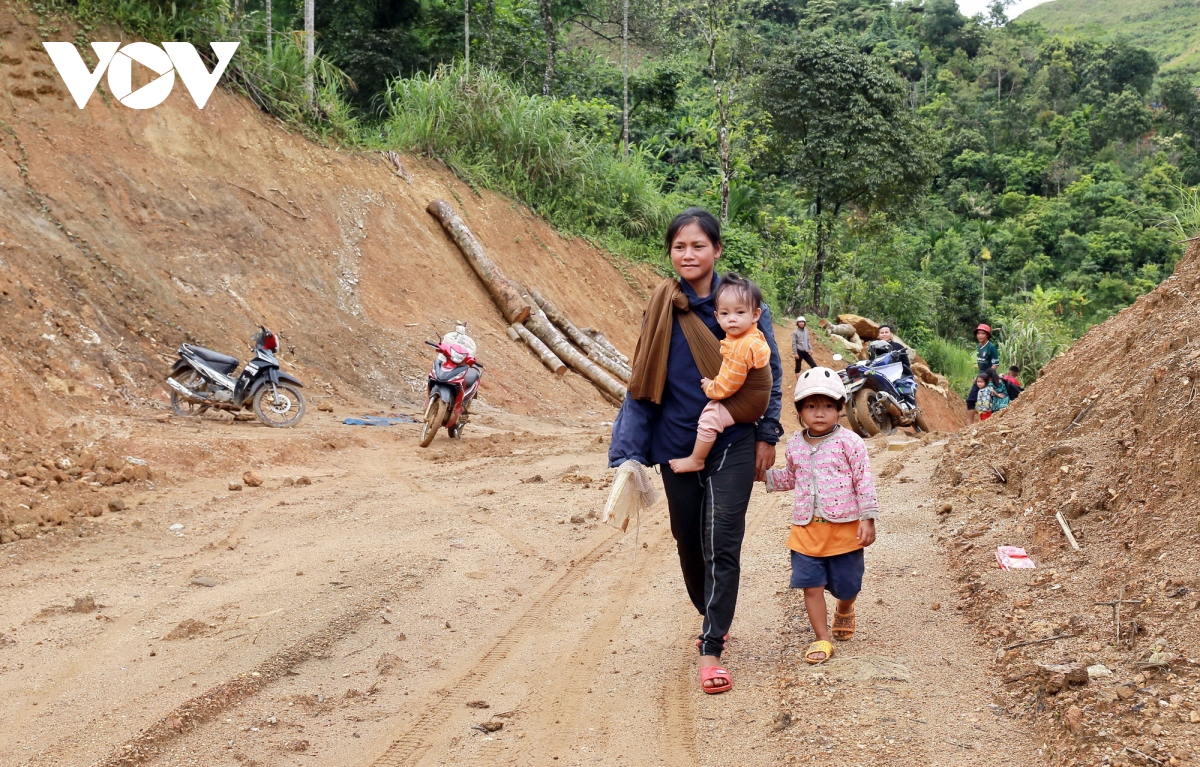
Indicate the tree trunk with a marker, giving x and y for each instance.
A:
(503, 292)
(606, 345)
(579, 338)
(270, 35)
(622, 372)
(560, 320)
(722, 129)
(608, 386)
(546, 8)
(467, 34)
(819, 265)
(310, 46)
(543, 353)
(625, 77)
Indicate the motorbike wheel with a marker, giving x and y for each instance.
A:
(435, 414)
(921, 423)
(282, 408)
(863, 419)
(192, 380)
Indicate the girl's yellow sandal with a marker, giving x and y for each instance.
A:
(819, 646)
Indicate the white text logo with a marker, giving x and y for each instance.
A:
(164, 61)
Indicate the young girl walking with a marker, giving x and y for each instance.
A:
(834, 515)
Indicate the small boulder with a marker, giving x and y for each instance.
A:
(252, 479)
(25, 531)
(116, 504)
(325, 407)
(867, 329)
(1073, 720)
(235, 487)
(303, 481)
(95, 510)
(204, 580)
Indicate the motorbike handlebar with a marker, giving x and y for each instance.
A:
(431, 343)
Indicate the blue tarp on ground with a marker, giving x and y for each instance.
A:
(379, 420)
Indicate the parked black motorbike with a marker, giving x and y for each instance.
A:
(203, 379)
(879, 395)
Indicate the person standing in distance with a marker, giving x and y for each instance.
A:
(987, 357)
(802, 344)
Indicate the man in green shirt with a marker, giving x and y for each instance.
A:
(987, 357)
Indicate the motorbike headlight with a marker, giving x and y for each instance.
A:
(457, 357)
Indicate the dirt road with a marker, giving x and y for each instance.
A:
(407, 603)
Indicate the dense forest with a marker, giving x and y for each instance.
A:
(895, 159)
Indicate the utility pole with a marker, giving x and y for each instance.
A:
(309, 50)
(625, 77)
(467, 33)
(270, 35)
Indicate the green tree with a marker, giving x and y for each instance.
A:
(840, 128)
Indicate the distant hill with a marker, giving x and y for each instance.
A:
(1169, 28)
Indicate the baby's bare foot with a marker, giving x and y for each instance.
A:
(685, 465)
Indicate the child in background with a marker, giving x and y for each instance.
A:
(739, 305)
(993, 395)
(835, 509)
(1012, 382)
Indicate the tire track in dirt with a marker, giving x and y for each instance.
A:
(562, 697)
(119, 631)
(151, 742)
(410, 748)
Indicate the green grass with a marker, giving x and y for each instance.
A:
(529, 147)
(1168, 28)
(952, 359)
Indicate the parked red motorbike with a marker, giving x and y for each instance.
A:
(453, 382)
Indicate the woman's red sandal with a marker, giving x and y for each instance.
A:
(710, 673)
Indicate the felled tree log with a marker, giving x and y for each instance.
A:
(618, 369)
(506, 296)
(543, 353)
(605, 344)
(560, 320)
(540, 326)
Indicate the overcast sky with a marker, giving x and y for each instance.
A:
(972, 7)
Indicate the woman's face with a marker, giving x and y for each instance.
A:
(693, 254)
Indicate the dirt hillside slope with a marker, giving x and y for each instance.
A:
(1107, 436)
(125, 232)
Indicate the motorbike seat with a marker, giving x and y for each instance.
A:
(216, 358)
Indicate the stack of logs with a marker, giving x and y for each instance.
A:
(534, 319)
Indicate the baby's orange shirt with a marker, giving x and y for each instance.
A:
(738, 357)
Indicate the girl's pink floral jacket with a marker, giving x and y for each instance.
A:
(832, 479)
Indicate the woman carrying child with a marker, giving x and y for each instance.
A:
(658, 421)
(835, 509)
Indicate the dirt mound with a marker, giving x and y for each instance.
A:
(124, 233)
(1108, 437)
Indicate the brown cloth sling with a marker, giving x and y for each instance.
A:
(746, 405)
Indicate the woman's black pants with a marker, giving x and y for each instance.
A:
(708, 521)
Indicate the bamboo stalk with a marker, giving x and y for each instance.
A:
(503, 292)
(540, 350)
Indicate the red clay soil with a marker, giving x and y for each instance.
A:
(125, 232)
(1108, 437)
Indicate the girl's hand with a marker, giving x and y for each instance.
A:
(866, 532)
(705, 381)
